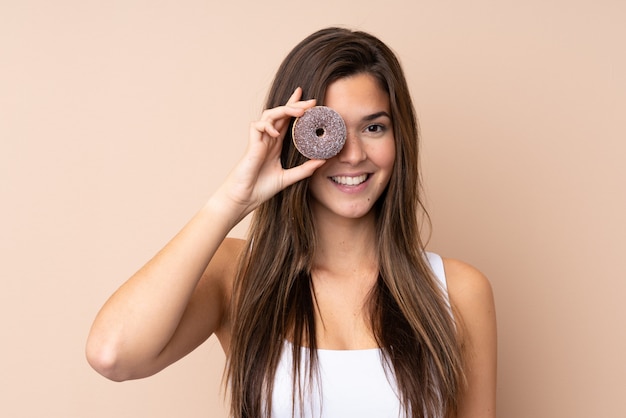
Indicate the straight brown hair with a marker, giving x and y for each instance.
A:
(272, 298)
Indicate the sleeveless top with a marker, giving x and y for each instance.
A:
(352, 383)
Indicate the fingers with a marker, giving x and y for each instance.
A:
(275, 121)
(280, 116)
(295, 96)
(266, 142)
(265, 126)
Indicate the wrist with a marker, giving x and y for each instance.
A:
(224, 209)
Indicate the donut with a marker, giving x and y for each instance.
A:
(319, 133)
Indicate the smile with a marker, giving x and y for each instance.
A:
(349, 181)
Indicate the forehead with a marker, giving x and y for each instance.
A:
(357, 95)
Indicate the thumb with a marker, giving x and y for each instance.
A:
(300, 172)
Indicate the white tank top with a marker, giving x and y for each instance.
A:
(353, 382)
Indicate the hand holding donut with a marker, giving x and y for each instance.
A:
(259, 175)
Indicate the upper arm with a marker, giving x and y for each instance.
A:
(472, 300)
(207, 309)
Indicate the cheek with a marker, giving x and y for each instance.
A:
(385, 154)
(314, 183)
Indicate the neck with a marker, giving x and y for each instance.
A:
(345, 246)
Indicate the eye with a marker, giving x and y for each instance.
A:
(375, 128)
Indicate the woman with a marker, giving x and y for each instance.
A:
(331, 307)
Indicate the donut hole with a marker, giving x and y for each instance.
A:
(320, 132)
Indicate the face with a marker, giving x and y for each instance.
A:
(349, 184)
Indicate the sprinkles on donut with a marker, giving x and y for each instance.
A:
(319, 133)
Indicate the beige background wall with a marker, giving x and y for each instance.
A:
(118, 118)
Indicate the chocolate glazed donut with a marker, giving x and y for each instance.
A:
(319, 133)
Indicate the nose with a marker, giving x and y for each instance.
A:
(353, 151)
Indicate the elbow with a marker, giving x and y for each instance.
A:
(105, 360)
(108, 358)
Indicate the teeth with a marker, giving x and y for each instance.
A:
(350, 181)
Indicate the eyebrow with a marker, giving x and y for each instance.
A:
(376, 116)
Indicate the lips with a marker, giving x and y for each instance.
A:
(349, 180)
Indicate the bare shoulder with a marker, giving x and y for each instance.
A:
(226, 257)
(471, 297)
(472, 300)
(466, 284)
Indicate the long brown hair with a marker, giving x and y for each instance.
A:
(272, 298)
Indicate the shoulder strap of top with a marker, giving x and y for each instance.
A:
(436, 265)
